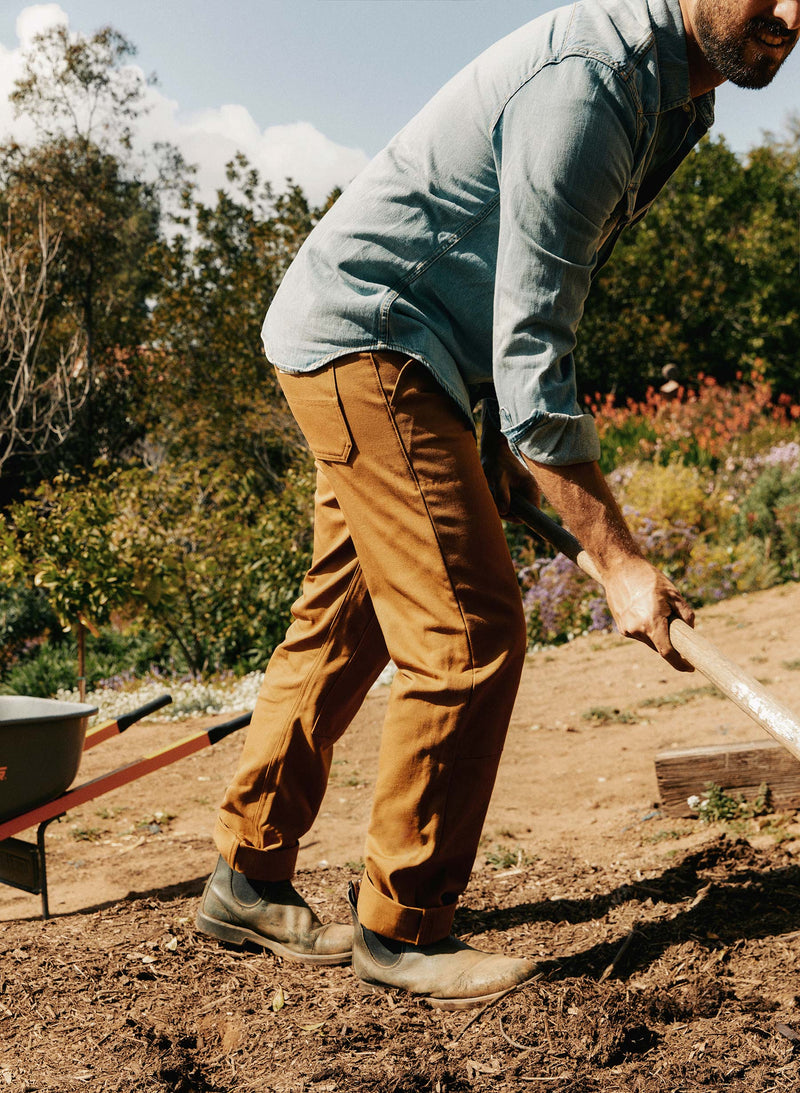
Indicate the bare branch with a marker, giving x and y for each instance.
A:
(38, 400)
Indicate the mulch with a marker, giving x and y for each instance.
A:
(675, 979)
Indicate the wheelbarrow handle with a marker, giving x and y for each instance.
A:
(141, 712)
(730, 678)
(113, 728)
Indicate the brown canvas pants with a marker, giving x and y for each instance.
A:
(410, 562)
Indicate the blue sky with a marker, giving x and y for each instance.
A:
(313, 87)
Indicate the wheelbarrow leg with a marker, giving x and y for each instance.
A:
(40, 832)
(23, 865)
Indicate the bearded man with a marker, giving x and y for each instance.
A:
(453, 271)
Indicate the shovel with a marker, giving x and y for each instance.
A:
(732, 680)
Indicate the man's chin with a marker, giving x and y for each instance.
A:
(756, 77)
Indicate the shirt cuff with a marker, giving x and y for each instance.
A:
(555, 439)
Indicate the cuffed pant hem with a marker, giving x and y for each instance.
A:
(255, 864)
(416, 925)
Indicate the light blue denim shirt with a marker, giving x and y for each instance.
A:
(470, 241)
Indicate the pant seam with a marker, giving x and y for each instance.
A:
(432, 523)
(454, 741)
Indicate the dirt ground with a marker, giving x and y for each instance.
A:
(670, 945)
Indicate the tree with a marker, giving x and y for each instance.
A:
(81, 86)
(179, 550)
(707, 280)
(85, 101)
(37, 406)
(59, 540)
(218, 396)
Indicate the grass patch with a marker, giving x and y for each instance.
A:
(667, 835)
(156, 823)
(607, 715)
(110, 813)
(507, 857)
(777, 830)
(355, 780)
(87, 834)
(679, 698)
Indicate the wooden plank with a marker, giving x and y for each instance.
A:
(736, 768)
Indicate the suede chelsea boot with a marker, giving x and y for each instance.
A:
(270, 914)
(448, 974)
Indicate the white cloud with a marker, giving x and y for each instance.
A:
(33, 20)
(30, 22)
(209, 138)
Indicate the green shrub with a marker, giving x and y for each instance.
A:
(51, 669)
(25, 619)
(110, 656)
(770, 514)
(671, 495)
(207, 568)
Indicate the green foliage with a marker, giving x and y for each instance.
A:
(210, 572)
(60, 541)
(708, 280)
(52, 666)
(217, 397)
(716, 534)
(629, 436)
(507, 857)
(718, 806)
(99, 281)
(216, 570)
(25, 619)
(671, 495)
(681, 519)
(86, 85)
(608, 715)
(770, 513)
(86, 99)
(680, 698)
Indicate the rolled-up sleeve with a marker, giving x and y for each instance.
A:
(564, 148)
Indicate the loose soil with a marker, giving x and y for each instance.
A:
(670, 945)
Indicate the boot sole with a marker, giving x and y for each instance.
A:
(441, 1003)
(240, 935)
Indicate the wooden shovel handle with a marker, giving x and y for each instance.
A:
(734, 682)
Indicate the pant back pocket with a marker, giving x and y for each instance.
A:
(314, 400)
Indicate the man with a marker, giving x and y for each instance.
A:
(454, 270)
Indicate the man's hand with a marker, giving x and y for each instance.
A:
(642, 601)
(504, 472)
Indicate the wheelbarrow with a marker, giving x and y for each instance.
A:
(41, 744)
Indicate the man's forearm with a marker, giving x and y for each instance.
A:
(642, 600)
(581, 496)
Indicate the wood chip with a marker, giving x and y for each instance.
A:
(788, 1032)
(620, 953)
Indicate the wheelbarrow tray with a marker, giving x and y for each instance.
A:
(41, 743)
(23, 864)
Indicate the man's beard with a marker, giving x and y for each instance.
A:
(735, 52)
